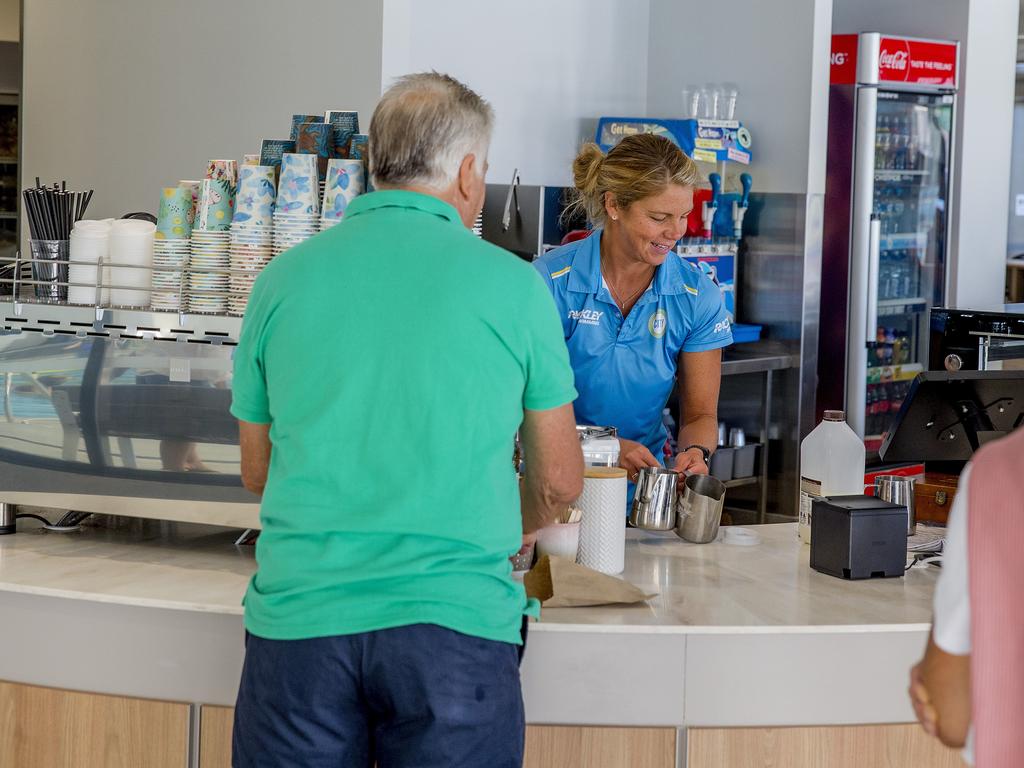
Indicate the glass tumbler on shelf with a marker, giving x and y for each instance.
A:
(50, 269)
(691, 99)
(727, 105)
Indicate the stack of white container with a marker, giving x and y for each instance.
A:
(131, 262)
(89, 255)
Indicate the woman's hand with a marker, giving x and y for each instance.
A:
(634, 456)
(691, 461)
(919, 697)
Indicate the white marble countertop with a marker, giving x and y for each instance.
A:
(710, 588)
(159, 607)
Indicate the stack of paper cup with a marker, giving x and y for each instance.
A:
(252, 230)
(297, 209)
(209, 258)
(171, 248)
(603, 526)
(131, 262)
(345, 181)
(90, 244)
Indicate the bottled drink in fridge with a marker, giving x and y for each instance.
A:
(831, 464)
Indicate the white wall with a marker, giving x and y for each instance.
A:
(987, 31)
(979, 272)
(550, 69)
(774, 52)
(126, 97)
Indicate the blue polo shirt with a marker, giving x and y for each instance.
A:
(625, 367)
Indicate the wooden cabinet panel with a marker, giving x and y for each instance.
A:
(51, 728)
(215, 724)
(879, 746)
(546, 746)
(550, 746)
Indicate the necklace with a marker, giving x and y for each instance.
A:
(621, 303)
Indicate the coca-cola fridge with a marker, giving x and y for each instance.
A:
(892, 108)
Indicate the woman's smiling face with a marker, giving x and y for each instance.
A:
(648, 229)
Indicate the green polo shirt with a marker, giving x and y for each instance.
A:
(393, 356)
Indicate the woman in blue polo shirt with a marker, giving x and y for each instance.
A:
(635, 315)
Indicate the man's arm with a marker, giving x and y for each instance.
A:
(940, 689)
(553, 474)
(254, 440)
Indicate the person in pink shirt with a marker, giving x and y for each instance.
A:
(968, 690)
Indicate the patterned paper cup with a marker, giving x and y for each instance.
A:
(297, 192)
(346, 180)
(254, 205)
(193, 187)
(214, 211)
(172, 219)
(357, 147)
(316, 139)
(226, 170)
(344, 124)
(298, 120)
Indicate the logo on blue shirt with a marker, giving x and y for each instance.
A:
(658, 324)
(586, 316)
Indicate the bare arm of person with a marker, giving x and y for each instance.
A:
(700, 377)
(254, 440)
(634, 456)
(553, 473)
(940, 690)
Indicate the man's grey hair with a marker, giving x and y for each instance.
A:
(423, 127)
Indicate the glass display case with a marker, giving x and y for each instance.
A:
(124, 413)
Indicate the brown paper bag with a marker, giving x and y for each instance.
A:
(560, 583)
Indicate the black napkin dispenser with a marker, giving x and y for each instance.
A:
(858, 537)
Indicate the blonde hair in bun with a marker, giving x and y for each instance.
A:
(637, 167)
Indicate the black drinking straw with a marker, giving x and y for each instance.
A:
(52, 211)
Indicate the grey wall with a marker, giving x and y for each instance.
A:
(987, 31)
(126, 97)
(777, 53)
(549, 68)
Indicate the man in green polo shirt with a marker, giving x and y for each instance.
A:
(383, 371)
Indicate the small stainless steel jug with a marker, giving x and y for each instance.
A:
(898, 490)
(654, 503)
(700, 509)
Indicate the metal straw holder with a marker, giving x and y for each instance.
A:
(50, 269)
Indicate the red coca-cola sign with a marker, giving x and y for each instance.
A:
(844, 59)
(900, 60)
(924, 62)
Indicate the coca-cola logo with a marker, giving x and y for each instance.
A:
(893, 59)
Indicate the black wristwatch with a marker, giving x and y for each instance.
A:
(705, 453)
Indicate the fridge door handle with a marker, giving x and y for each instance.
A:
(874, 260)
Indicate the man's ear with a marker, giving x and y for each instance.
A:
(468, 172)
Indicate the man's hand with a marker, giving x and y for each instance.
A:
(634, 456)
(923, 708)
(691, 462)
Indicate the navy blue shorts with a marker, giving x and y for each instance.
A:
(418, 696)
